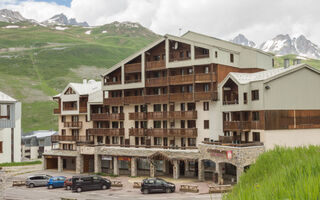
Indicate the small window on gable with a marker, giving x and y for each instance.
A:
(1, 150)
(254, 95)
(216, 54)
(231, 57)
(69, 91)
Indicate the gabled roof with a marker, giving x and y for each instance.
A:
(84, 88)
(245, 78)
(6, 98)
(96, 97)
(40, 134)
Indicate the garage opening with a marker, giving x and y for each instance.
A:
(69, 163)
(52, 163)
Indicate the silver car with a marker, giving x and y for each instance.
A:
(37, 180)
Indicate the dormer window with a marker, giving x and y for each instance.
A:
(69, 91)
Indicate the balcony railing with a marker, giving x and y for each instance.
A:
(72, 124)
(138, 116)
(232, 102)
(107, 116)
(198, 96)
(205, 77)
(247, 144)
(163, 115)
(183, 114)
(82, 139)
(83, 109)
(106, 131)
(133, 99)
(156, 82)
(181, 79)
(132, 81)
(69, 107)
(113, 83)
(237, 125)
(156, 98)
(155, 65)
(56, 111)
(164, 132)
(198, 56)
(181, 97)
(132, 68)
(113, 101)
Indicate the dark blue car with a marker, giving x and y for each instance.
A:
(56, 182)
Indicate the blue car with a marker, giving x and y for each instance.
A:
(56, 182)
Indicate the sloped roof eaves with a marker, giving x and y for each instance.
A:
(116, 66)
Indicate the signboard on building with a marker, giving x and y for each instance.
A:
(220, 153)
(106, 157)
(124, 158)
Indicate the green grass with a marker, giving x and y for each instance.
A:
(279, 61)
(45, 60)
(20, 163)
(281, 174)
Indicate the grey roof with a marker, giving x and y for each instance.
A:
(84, 88)
(6, 98)
(40, 134)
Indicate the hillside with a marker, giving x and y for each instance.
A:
(283, 173)
(37, 62)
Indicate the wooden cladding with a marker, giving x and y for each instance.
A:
(181, 79)
(156, 82)
(113, 101)
(163, 132)
(56, 111)
(107, 116)
(72, 124)
(236, 125)
(292, 119)
(106, 131)
(163, 115)
(70, 138)
(155, 65)
(83, 109)
(132, 68)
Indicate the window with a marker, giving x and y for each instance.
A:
(1, 150)
(136, 108)
(63, 131)
(157, 141)
(114, 109)
(75, 118)
(191, 106)
(256, 136)
(114, 79)
(206, 70)
(142, 141)
(157, 108)
(156, 58)
(216, 54)
(165, 141)
(206, 106)
(188, 54)
(255, 116)
(206, 87)
(183, 107)
(183, 124)
(163, 56)
(192, 142)
(272, 62)
(245, 98)
(165, 125)
(165, 107)
(255, 95)
(190, 88)
(114, 140)
(205, 51)
(63, 118)
(183, 142)
(181, 54)
(206, 124)
(156, 124)
(231, 58)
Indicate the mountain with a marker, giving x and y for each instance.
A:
(241, 39)
(61, 19)
(37, 62)
(10, 16)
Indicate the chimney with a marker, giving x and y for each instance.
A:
(84, 81)
(286, 63)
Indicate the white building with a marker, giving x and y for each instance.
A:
(10, 129)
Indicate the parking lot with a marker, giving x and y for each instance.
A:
(126, 192)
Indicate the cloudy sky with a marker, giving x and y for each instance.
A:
(258, 20)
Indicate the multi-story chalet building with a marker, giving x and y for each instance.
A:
(172, 108)
(10, 129)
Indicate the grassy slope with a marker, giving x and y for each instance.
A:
(281, 174)
(45, 60)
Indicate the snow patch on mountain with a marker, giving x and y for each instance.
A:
(61, 20)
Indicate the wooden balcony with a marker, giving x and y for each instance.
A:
(237, 125)
(138, 116)
(156, 82)
(106, 131)
(68, 108)
(132, 81)
(155, 65)
(199, 56)
(181, 97)
(112, 83)
(56, 111)
(113, 101)
(181, 79)
(157, 115)
(184, 132)
(83, 109)
(132, 68)
(183, 114)
(199, 96)
(133, 99)
(107, 116)
(156, 98)
(204, 78)
(72, 125)
(137, 132)
(232, 102)
(58, 138)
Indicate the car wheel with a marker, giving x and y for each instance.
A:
(68, 187)
(31, 185)
(145, 191)
(168, 190)
(50, 186)
(104, 187)
(79, 189)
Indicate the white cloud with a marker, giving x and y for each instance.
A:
(258, 20)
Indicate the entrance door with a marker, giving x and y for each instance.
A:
(182, 168)
(246, 137)
(170, 168)
(64, 163)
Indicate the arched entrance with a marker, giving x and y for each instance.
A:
(227, 173)
(210, 170)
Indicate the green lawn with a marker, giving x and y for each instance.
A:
(281, 174)
(20, 163)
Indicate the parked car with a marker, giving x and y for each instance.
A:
(68, 183)
(37, 180)
(91, 182)
(56, 182)
(156, 185)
